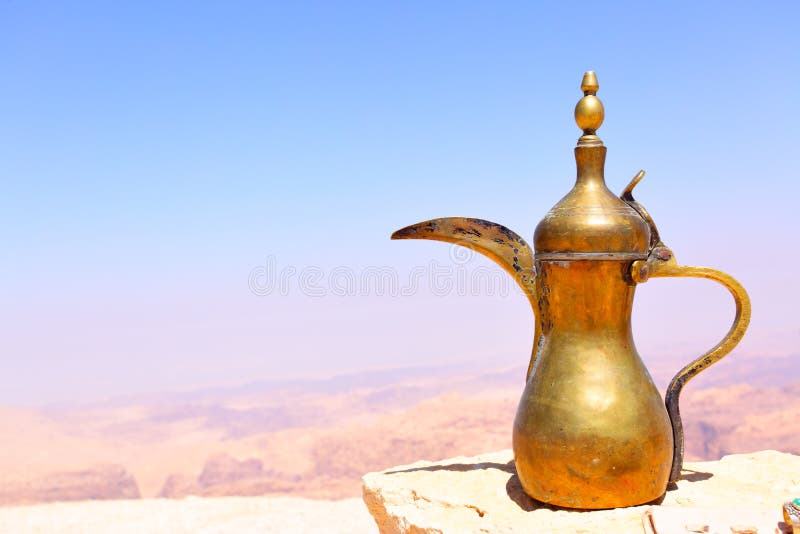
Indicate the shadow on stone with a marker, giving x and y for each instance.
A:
(695, 476)
(692, 476)
(523, 500)
(513, 486)
(508, 468)
(520, 498)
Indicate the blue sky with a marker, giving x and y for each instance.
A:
(153, 154)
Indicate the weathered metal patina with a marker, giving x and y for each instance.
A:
(591, 430)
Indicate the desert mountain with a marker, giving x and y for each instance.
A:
(316, 438)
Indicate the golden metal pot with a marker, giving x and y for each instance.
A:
(591, 430)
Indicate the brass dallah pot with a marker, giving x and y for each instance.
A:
(591, 430)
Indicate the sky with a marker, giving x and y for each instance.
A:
(199, 194)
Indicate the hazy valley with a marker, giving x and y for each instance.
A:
(316, 438)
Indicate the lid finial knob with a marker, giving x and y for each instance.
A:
(589, 111)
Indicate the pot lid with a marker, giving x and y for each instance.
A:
(591, 222)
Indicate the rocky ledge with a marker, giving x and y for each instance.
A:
(483, 494)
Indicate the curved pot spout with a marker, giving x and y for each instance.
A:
(495, 241)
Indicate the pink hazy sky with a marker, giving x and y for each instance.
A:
(154, 158)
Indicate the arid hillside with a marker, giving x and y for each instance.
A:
(316, 438)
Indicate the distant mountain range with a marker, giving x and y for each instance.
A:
(315, 438)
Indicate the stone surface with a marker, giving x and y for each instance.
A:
(225, 515)
(483, 494)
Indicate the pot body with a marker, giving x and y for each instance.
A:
(591, 430)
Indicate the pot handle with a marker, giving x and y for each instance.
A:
(661, 263)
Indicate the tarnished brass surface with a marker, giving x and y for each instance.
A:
(590, 218)
(591, 430)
